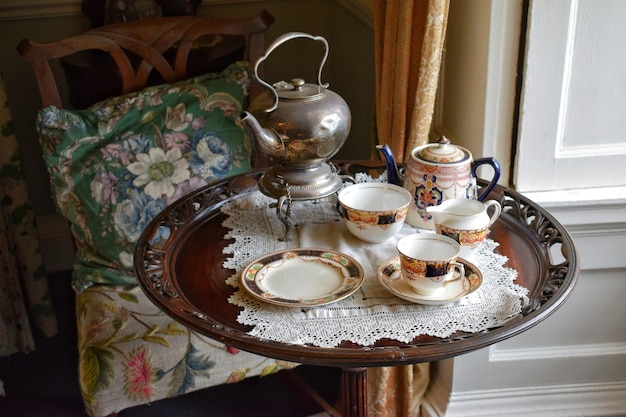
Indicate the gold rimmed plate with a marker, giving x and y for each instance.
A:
(302, 277)
(390, 277)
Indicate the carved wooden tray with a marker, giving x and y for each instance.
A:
(183, 275)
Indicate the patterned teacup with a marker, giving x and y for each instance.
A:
(428, 262)
(373, 212)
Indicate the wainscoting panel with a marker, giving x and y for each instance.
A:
(606, 399)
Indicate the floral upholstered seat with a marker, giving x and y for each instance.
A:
(113, 167)
(131, 353)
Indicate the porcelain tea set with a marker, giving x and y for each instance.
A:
(300, 126)
(433, 195)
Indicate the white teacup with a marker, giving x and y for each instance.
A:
(428, 262)
(373, 212)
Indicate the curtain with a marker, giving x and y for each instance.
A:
(397, 391)
(409, 37)
(23, 285)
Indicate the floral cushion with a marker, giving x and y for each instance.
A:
(115, 165)
(132, 353)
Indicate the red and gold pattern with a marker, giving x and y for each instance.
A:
(468, 238)
(413, 265)
(415, 269)
(374, 218)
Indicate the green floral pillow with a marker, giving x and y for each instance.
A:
(114, 166)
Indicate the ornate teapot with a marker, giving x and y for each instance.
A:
(437, 172)
(298, 127)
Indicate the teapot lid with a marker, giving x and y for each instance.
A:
(298, 89)
(443, 151)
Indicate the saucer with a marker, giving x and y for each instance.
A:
(302, 277)
(390, 277)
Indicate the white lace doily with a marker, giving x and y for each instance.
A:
(372, 313)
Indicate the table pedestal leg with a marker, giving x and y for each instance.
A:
(353, 393)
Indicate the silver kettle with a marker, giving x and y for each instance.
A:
(298, 126)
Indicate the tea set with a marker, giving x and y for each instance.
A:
(299, 126)
(432, 265)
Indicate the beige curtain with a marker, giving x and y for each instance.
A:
(396, 391)
(23, 286)
(409, 37)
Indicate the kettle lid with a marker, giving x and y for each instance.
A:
(443, 151)
(297, 89)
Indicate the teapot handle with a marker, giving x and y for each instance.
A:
(496, 174)
(279, 41)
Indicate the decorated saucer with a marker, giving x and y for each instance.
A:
(304, 277)
(390, 277)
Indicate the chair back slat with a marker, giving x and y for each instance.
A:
(145, 50)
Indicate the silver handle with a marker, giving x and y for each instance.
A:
(279, 41)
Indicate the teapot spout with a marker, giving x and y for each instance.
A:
(266, 141)
(393, 175)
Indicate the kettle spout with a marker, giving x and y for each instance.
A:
(265, 140)
(393, 175)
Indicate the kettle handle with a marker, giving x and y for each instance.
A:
(279, 41)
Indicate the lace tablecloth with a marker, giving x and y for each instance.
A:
(370, 314)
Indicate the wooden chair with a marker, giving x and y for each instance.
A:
(118, 327)
(141, 47)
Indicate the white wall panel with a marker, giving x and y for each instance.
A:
(571, 118)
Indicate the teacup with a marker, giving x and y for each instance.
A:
(466, 221)
(428, 262)
(373, 212)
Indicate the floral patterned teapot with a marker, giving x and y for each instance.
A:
(437, 172)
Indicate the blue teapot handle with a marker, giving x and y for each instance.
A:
(496, 174)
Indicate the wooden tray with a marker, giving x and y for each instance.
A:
(183, 275)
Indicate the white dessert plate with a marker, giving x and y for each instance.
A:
(303, 277)
(390, 277)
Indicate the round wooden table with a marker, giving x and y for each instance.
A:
(183, 275)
